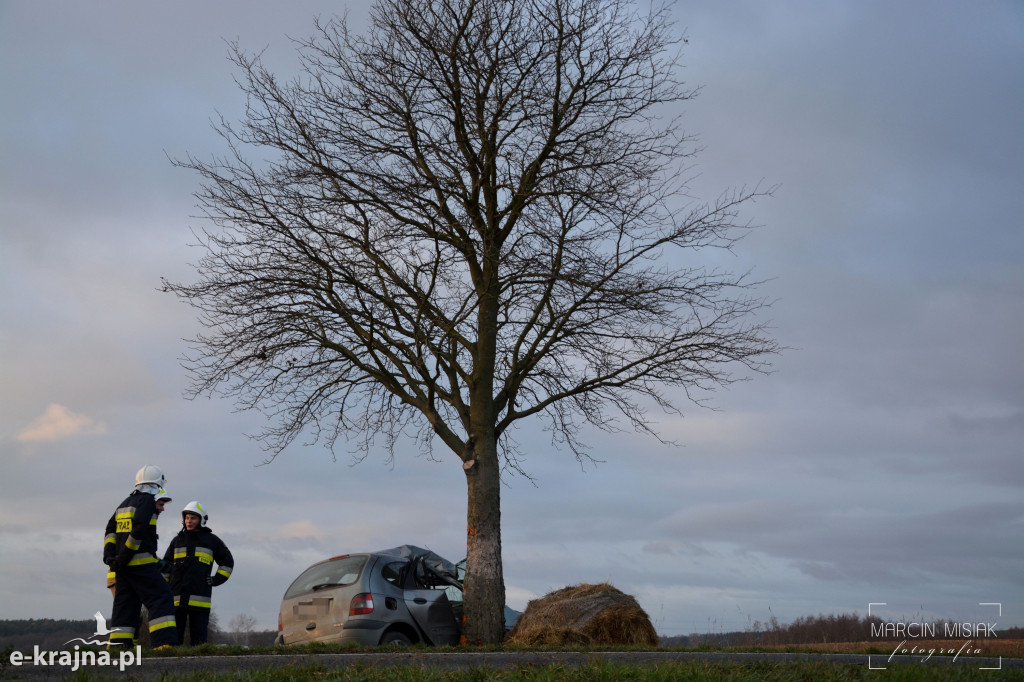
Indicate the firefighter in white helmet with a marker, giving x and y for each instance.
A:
(161, 499)
(129, 551)
(191, 556)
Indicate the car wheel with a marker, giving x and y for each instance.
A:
(395, 637)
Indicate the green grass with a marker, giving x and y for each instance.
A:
(596, 670)
(612, 672)
(321, 648)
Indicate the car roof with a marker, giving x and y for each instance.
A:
(431, 560)
(434, 562)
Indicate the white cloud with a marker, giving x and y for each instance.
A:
(301, 529)
(57, 423)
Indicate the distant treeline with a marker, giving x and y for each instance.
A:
(46, 633)
(52, 634)
(818, 629)
(44, 626)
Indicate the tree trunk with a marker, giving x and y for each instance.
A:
(483, 611)
(484, 606)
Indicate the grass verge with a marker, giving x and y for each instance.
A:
(610, 672)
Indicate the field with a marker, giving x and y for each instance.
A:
(521, 664)
(1010, 648)
(599, 672)
(921, 660)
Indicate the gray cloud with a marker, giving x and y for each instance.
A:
(881, 462)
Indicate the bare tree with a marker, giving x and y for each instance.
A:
(241, 628)
(470, 214)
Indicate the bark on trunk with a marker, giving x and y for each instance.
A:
(483, 611)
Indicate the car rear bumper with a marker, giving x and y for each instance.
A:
(362, 631)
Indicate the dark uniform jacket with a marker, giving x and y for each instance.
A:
(191, 555)
(130, 539)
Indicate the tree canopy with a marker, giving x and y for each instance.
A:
(473, 213)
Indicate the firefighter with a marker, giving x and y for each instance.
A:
(162, 498)
(129, 551)
(191, 555)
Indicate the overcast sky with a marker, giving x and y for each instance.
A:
(881, 462)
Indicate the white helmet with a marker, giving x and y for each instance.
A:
(151, 474)
(162, 496)
(194, 507)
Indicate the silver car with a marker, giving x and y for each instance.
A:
(403, 595)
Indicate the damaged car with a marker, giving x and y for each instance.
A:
(405, 595)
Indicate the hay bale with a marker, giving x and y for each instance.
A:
(583, 614)
(547, 636)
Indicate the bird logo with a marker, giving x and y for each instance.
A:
(101, 631)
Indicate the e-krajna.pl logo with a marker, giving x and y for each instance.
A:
(79, 657)
(125, 658)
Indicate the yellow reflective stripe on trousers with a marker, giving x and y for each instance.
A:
(142, 558)
(123, 634)
(199, 603)
(161, 623)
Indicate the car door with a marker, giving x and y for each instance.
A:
(427, 601)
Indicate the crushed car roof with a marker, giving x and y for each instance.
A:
(434, 562)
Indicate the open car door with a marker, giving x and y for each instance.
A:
(427, 589)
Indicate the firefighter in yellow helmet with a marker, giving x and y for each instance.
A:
(191, 556)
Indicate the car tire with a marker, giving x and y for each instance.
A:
(396, 638)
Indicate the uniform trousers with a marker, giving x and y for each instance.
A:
(197, 620)
(136, 586)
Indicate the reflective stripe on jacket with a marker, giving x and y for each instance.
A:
(192, 555)
(131, 531)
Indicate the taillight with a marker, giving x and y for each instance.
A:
(280, 626)
(361, 604)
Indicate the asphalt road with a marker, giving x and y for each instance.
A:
(154, 668)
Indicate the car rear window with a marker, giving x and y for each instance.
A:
(341, 571)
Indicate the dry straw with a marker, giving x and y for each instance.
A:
(584, 614)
